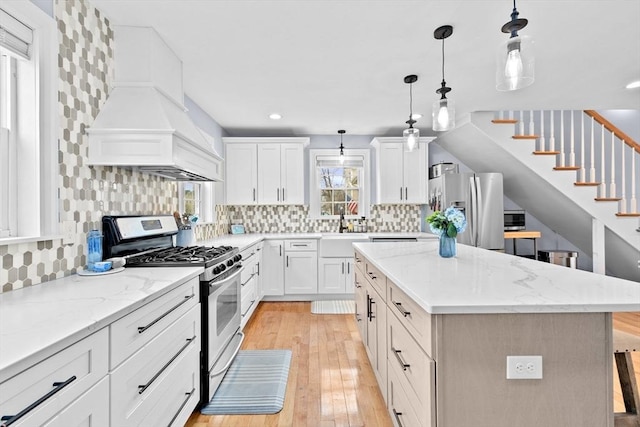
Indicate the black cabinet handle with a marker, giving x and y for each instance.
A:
(400, 193)
(277, 194)
(143, 387)
(402, 363)
(406, 194)
(182, 406)
(283, 194)
(343, 268)
(357, 284)
(372, 275)
(7, 420)
(254, 194)
(141, 329)
(399, 306)
(348, 268)
(397, 415)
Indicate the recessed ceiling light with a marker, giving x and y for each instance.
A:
(633, 85)
(275, 116)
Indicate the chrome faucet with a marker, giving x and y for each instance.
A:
(341, 227)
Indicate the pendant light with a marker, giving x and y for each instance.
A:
(444, 112)
(411, 135)
(341, 158)
(515, 60)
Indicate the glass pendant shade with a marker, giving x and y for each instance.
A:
(341, 157)
(411, 137)
(515, 63)
(443, 115)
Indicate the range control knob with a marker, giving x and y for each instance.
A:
(230, 262)
(216, 270)
(222, 267)
(237, 257)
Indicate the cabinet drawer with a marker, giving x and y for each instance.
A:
(135, 384)
(62, 377)
(417, 321)
(301, 245)
(248, 297)
(376, 278)
(414, 367)
(138, 328)
(172, 400)
(399, 403)
(89, 410)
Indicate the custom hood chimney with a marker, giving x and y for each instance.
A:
(143, 123)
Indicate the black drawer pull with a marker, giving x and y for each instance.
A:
(402, 363)
(143, 387)
(372, 275)
(181, 406)
(399, 306)
(141, 329)
(7, 420)
(397, 415)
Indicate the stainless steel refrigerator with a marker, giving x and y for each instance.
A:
(480, 197)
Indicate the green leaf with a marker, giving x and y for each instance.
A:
(451, 230)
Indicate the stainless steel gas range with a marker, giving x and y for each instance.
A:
(147, 241)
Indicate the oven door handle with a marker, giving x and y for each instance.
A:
(226, 279)
(235, 353)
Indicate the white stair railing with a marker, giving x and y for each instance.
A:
(608, 156)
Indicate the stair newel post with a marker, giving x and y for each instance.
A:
(572, 152)
(623, 182)
(561, 138)
(592, 154)
(582, 168)
(612, 185)
(542, 141)
(603, 182)
(552, 138)
(633, 200)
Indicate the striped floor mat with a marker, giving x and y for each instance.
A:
(333, 307)
(254, 384)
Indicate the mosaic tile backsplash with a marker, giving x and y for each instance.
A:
(295, 219)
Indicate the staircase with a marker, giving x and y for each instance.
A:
(568, 171)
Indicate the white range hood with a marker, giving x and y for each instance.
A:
(143, 123)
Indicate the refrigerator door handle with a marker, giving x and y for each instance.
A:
(473, 220)
(479, 209)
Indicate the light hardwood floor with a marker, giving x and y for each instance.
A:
(331, 382)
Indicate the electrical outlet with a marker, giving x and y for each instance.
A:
(68, 232)
(524, 367)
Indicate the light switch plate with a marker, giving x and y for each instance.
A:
(524, 367)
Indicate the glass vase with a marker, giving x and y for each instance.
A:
(447, 247)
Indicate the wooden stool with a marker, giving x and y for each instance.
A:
(623, 345)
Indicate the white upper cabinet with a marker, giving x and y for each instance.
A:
(401, 175)
(265, 171)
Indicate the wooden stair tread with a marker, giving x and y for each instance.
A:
(607, 199)
(587, 184)
(525, 137)
(504, 121)
(628, 214)
(566, 168)
(542, 153)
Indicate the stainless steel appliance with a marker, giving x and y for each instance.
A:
(442, 168)
(480, 197)
(514, 220)
(147, 241)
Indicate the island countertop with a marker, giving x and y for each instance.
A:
(482, 281)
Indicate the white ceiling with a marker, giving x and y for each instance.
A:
(339, 64)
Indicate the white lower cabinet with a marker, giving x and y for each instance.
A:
(335, 276)
(273, 268)
(301, 267)
(42, 392)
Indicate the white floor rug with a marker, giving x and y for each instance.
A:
(333, 307)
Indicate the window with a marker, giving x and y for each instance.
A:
(197, 198)
(339, 187)
(28, 122)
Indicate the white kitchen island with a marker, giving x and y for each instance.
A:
(438, 332)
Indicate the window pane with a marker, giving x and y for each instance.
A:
(338, 195)
(325, 195)
(326, 209)
(338, 208)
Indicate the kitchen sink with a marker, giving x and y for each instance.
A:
(338, 245)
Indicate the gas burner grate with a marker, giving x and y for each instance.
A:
(189, 254)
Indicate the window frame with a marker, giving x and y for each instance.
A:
(34, 204)
(364, 182)
(206, 198)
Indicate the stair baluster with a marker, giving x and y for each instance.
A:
(583, 170)
(612, 184)
(561, 139)
(603, 185)
(572, 152)
(622, 206)
(542, 140)
(592, 170)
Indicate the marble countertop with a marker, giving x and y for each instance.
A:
(483, 281)
(40, 320)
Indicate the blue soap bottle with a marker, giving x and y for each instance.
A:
(94, 248)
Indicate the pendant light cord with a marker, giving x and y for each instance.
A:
(411, 103)
(443, 60)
